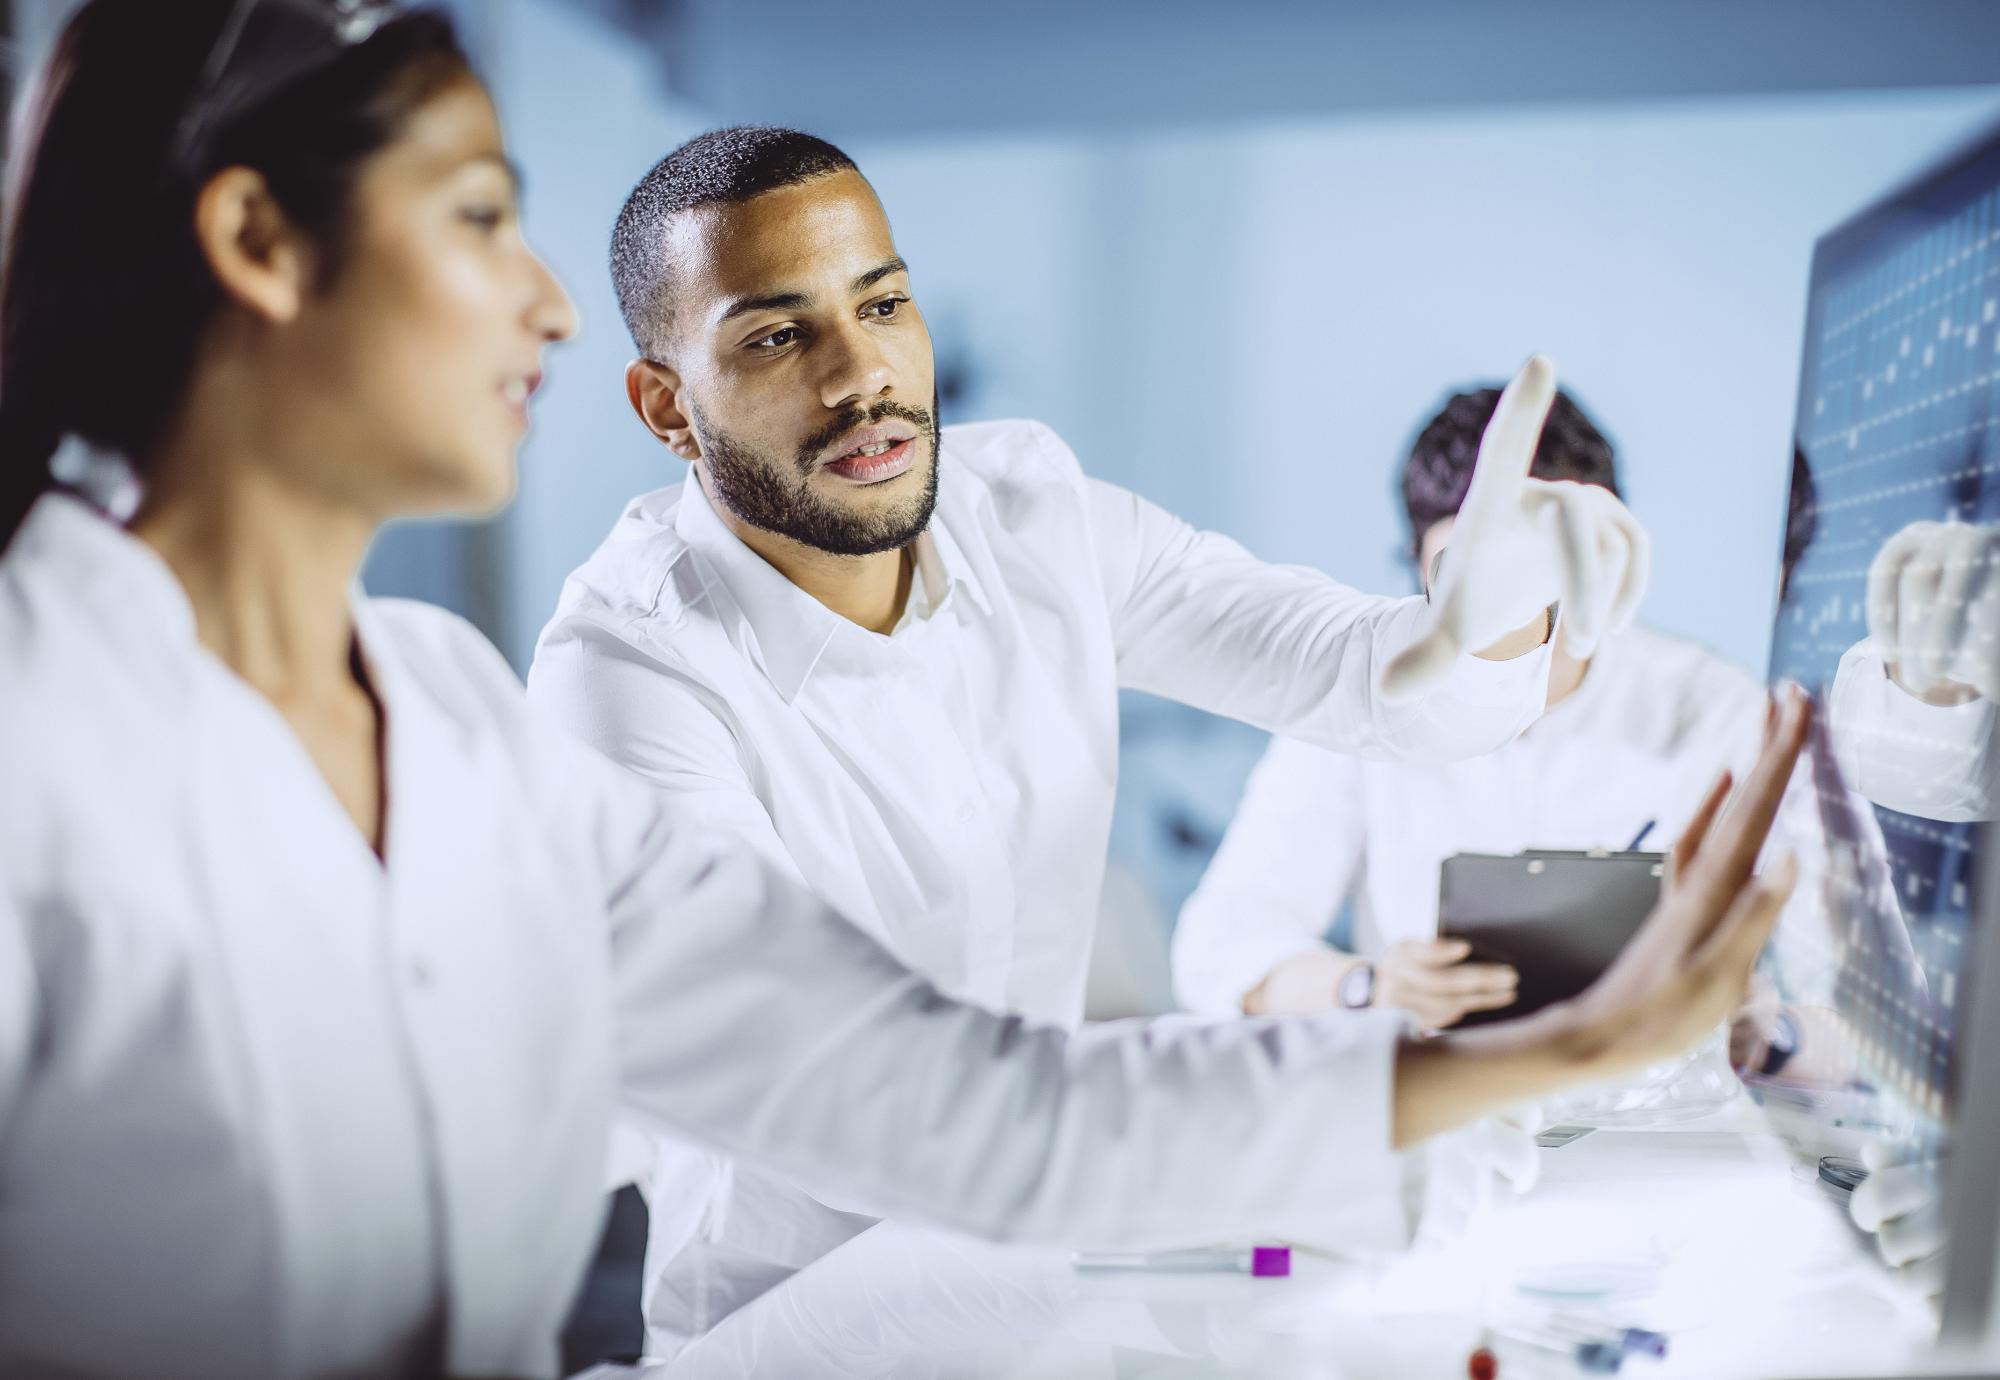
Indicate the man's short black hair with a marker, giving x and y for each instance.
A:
(722, 166)
(1439, 470)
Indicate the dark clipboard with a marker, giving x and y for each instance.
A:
(1559, 918)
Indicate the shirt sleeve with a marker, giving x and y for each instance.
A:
(1289, 859)
(753, 1019)
(663, 727)
(1198, 619)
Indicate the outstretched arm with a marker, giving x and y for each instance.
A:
(752, 1018)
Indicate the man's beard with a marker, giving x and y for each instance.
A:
(775, 495)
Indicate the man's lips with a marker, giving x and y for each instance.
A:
(873, 468)
(874, 453)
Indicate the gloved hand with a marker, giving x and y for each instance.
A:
(1899, 1203)
(1467, 1170)
(1934, 609)
(1521, 545)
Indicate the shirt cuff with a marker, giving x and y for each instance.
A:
(1245, 958)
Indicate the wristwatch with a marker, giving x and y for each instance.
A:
(1780, 1045)
(1357, 986)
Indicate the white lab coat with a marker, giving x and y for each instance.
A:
(272, 1108)
(950, 785)
(1639, 741)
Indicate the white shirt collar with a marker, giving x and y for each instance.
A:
(792, 630)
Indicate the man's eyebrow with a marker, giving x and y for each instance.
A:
(879, 272)
(776, 301)
(798, 301)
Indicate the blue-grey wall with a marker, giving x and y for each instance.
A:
(1246, 318)
(1245, 314)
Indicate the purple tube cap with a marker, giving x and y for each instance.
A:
(1271, 1262)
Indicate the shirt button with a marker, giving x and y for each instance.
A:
(422, 975)
(966, 812)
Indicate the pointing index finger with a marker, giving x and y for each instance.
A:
(1507, 449)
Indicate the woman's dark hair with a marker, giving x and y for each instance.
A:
(1439, 471)
(141, 102)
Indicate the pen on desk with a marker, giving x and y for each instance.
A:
(1634, 1341)
(1262, 1262)
(1593, 1358)
(1640, 837)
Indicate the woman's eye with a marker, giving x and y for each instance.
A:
(485, 217)
(885, 308)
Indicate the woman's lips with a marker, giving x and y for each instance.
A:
(516, 391)
(873, 469)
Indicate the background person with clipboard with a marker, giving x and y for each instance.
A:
(1630, 739)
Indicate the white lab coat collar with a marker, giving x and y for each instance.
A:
(120, 577)
(792, 631)
(137, 594)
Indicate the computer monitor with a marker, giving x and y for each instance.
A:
(1895, 498)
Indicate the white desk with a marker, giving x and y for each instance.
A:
(1750, 1268)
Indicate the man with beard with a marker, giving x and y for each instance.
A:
(889, 653)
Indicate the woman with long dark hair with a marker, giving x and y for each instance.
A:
(322, 965)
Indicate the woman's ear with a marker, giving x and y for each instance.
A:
(654, 391)
(255, 252)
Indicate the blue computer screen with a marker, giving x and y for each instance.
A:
(1887, 611)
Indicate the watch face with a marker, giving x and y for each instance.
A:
(1357, 985)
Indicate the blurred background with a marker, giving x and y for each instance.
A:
(1237, 253)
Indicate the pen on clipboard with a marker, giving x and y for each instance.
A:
(1264, 1262)
(1640, 837)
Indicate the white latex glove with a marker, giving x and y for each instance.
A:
(1934, 607)
(1521, 545)
(1899, 1203)
(1465, 1172)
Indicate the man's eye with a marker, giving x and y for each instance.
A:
(777, 339)
(485, 217)
(885, 308)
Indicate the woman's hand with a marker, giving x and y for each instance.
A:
(1688, 969)
(1682, 975)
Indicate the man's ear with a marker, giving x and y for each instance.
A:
(654, 391)
(263, 263)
